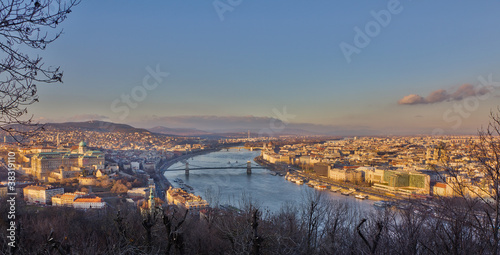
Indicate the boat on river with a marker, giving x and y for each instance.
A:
(320, 187)
(361, 196)
(335, 189)
(346, 193)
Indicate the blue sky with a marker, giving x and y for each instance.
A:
(268, 55)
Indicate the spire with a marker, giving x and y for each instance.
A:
(151, 201)
(151, 194)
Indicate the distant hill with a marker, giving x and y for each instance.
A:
(179, 131)
(242, 132)
(227, 133)
(103, 126)
(93, 125)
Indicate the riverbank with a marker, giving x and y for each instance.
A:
(279, 169)
(235, 187)
(373, 194)
(164, 183)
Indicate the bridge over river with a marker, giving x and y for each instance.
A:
(248, 166)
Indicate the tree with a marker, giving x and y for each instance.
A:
(119, 187)
(26, 24)
(486, 152)
(480, 199)
(175, 237)
(313, 213)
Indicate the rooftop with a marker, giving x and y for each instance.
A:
(88, 200)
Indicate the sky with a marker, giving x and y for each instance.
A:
(367, 67)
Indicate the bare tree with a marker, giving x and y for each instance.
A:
(340, 221)
(313, 213)
(174, 234)
(480, 197)
(486, 151)
(26, 24)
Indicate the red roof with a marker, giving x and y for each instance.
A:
(88, 200)
(350, 167)
(440, 185)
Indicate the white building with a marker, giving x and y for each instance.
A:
(41, 194)
(135, 166)
(89, 203)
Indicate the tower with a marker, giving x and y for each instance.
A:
(82, 147)
(151, 201)
(249, 167)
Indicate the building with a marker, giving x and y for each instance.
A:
(87, 181)
(374, 175)
(442, 189)
(148, 207)
(196, 206)
(135, 166)
(100, 173)
(435, 153)
(321, 169)
(186, 200)
(138, 192)
(45, 162)
(405, 183)
(150, 166)
(64, 173)
(89, 203)
(345, 175)
(41, 194)
(270, 157)
(66, 199)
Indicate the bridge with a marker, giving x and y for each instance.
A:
(247, 166)
(243, 148)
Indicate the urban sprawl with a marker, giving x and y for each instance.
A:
(91, 170)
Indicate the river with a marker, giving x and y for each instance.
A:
(231, 186)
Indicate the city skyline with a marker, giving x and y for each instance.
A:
(375, 68)
(250, 127)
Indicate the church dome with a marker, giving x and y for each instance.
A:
(83, 144)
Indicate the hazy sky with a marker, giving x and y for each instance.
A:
(387, 66)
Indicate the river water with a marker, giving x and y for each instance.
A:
(232, 186)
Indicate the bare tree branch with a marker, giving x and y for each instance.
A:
(26, 24)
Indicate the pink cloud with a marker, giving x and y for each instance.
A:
(441, 95)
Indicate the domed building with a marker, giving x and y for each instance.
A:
(43, 163)
(82, 147)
